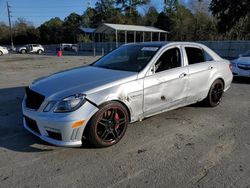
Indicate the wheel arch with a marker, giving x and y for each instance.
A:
(217, 78)
(86, 130)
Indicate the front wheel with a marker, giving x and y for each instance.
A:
(1, 53)
(215, 93)
(23, 51)
(39, 51)
(108, 125)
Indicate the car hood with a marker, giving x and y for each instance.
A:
(243, 60)
(80, 80)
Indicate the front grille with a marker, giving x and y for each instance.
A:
(244, 67)
(31, 124)
(54, 135)
(33, 99)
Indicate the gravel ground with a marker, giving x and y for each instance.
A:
(188, 147)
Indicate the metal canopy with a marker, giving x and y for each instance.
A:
(108, 28)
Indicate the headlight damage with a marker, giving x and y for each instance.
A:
(68, 104)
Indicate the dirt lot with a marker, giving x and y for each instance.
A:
(188, 147)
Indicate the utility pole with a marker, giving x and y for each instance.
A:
(10, 26)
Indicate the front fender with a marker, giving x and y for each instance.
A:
(130, 94)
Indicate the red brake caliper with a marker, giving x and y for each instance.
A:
(117, 121)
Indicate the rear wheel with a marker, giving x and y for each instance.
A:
(23, 51)
(215, 93)
(1, 53)
(108, 125)
(39, 51)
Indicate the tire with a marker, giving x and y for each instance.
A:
(1, 53)
(39, 51)
(108, 125)
(23, 51)
(215, 93)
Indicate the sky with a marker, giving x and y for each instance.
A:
(39, 11)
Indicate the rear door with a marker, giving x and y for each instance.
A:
(200, 69)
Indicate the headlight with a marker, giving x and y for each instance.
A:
(70, 104)
(233, 64)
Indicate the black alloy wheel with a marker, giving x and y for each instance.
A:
(215, 93)
(108, 125)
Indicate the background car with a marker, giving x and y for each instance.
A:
(131, 83)
(31, 48)
(3, 50)
(69, 47)
(241, 65)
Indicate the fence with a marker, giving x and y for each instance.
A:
(226, 49)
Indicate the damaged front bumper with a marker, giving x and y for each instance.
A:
(61, 129)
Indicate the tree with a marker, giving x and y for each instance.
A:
(51, 32)
(4, 33)
(106, 12)
(229, 12)
(25, 32)
(71, 27)
(88, 18)
(163, 22)
(151, 16)
(128, 5)
(182, 21)
(204, 27)
(170, 5)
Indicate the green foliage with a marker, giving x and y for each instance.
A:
(51, 32)
(183, 20)
(71, 27)
(229, 20)
(229, 12)
(4, 33)
(163, 21)
(151, 16)
(83, 38)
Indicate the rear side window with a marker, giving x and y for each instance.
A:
(208, 57)
(194, 55)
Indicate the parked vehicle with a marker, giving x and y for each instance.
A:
(129, 84)
(3, 50)
(241, 65)
(69, 47)
(31, 48)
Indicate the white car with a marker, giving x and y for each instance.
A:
(69, 47)
(3, 50)
(241, 65)
(31, 48)
(131, 83)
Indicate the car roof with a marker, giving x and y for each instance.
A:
(148, 44)
(163, 43)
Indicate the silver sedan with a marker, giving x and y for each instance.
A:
(129, 84)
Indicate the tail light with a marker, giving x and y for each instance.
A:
(230, 66)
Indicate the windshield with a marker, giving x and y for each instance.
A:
(246, 54)
(127, 58)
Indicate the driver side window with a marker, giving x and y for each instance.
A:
(168, 60)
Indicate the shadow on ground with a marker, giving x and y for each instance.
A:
(12, 134)
(241, 80)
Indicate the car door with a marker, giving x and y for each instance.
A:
(34, 48)
(166, 84)
(200, 69)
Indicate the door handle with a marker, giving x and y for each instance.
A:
(183, 75)
(210, 67)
